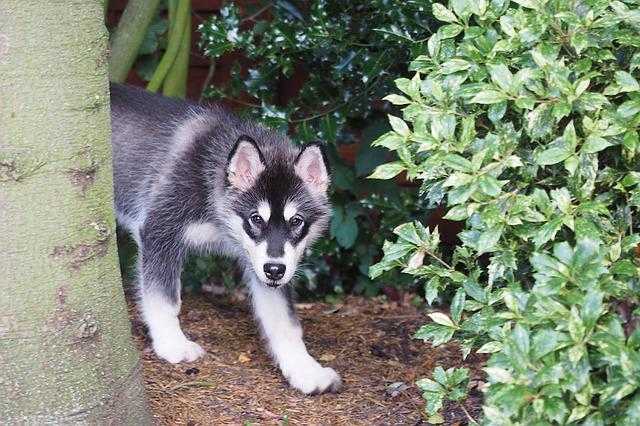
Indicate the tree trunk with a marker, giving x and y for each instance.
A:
(66, 353)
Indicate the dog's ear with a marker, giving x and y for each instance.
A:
(245, 164)
(313, 168)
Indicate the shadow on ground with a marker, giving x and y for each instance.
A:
(367, 341)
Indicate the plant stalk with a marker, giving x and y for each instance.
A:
(183, 12)
(128, 36)
(175, 83)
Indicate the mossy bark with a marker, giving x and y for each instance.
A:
(66, 353)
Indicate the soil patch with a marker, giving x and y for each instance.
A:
(368, 341)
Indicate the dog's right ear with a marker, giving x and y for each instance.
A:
(245, 164)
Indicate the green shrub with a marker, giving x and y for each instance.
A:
(524, 118)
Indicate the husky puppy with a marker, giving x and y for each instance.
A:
(190, 178)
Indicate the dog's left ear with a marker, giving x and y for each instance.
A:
(312, 167)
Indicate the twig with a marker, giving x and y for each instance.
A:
(196, 383)
(207, 80)
(439, 259)
(471, 419)
(257, 13)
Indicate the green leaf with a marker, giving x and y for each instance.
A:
(540, 121)
(595, 144)
(449, 31)
(626, 82)
(488, 97)
(457, 213)
(520, 336)
(578, 413)
(399, 126)
(435, 333)
(556, 153)
(410, 87)
(390, 140)
(490, 185)
(431, 289)
(457, 304)
(441, 13)
(457, 162)
(490, 347)
(629, 108)
(387, 171)
(150, 42)
(397, 99)
(443, 126)
(408, 232)
(530, 4)
(434, 403)
(454, 65)
(546, 341)
(496, 112)
(501, 76)
(498, 375)
(488, 240)
(344, 228)
(428, 385)
(442, 319)
(592, 308)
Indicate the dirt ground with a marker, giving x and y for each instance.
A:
(367, 341)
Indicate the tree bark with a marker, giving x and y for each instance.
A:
(128, 36)
(66, 353)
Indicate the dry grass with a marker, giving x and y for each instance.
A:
(367, 341)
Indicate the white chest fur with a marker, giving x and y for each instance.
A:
(201, 233)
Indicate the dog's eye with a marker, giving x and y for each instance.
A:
(256, 219)
(296, 221)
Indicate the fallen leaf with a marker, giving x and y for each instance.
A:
(327, 357)
(304, 306)
(333, 309)
(243, 358)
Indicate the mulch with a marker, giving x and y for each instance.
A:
(368, 341)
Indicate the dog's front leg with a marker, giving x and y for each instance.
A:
(283, 333)
(159, 292)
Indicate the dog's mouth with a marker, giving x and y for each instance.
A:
(270, 283)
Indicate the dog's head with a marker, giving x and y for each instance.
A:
(279, 205)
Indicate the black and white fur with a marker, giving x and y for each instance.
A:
(190, 178)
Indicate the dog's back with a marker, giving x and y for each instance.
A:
(143, 126)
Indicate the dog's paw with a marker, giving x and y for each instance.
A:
(316, 380)
(179, 350)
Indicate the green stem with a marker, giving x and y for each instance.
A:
(439, 259)
(182, 14)
(128, 36)
(175, 82)
(172, 6)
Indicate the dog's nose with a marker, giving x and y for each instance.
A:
(274, 271)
